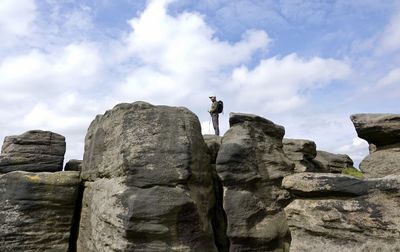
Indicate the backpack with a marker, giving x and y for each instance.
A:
(220, 107)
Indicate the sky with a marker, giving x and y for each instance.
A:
(304, 64)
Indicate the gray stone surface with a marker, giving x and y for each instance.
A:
(368, 220)
(149, 182)
(301, 152)
(37, 210)
(213, 143)
(330, 162)
(382, 132)
(381, 163)
(324, 184)
(378, 129)
(33, 151)
(251, 165)
(73, 165)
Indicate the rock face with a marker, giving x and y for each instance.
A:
(33, 151)
(37, 210)
(334, 163)
(364, 218)
(382, 131)
(213, 143)
(251, 165)
(378, 129)
(301, 152)
(149, 182)
(73, 165)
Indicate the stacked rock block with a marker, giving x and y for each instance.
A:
(382, 132)
(37, 200)
(251, 164)
(148, 182)
(301, 152)
(335, 212)
(330, 162)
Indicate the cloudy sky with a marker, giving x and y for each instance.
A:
(304, 64)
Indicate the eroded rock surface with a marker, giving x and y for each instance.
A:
(330, 162)
(33, 151)
(363, 216)
(251, 165)
(382, 132)
(378, 129)
(149, 182)
(73, 165)
(301, 152)
(37, 210)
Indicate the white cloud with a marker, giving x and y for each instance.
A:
(40, 74)
(16, 17)
(390, 41)
(280, 84)
(391, 79)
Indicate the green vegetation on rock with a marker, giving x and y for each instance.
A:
(353, 172)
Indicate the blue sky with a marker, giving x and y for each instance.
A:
(304, 64)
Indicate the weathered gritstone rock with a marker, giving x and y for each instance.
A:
(367, 222)
(213, 143)
(149, 182)
(73, 165)
(301, 152)
(33, 151)
(382, 131)
(330, 162)
(37, 210)
(251, 165)
(324, 184)
(378, 129)
(381, 163)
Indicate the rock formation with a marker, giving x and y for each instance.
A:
(37, 210)
(336, 212)
(383, 132)
(149, 182)
(251, 165)
(301, 152)
(33, 151)
(73, 165)
(330, 162)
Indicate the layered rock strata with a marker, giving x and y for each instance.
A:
(382, 132)
(336, 212)
(251, 165)
(149, 182)
(33, 151)
(37, 210)
(301, 152)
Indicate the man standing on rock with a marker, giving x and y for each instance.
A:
(214, 114)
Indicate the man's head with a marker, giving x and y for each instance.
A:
(213, 98)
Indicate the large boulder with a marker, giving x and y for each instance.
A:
(251, 165)
(378, 129)
(382, 131)
(340, 213)
(33, 151)
(37, 210)
(330, 162)
(149, 183)
(381, 163)
(301, 152)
